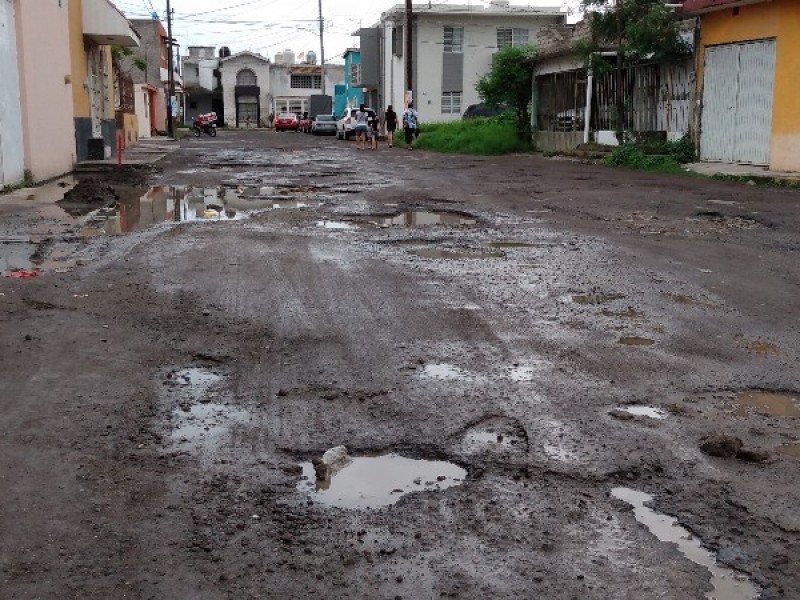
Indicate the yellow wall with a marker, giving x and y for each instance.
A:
(130, 126)
(80, 98)
(779, 19)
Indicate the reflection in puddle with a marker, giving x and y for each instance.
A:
(376, 481)
(335, 225)
(205, 424)
(635, 341)
(792, 449)
(195, 377)
(728, 584)
(415, 218)
(135, 211)
(444, 371)
(644, 411)
(769, 404)
(453, 255)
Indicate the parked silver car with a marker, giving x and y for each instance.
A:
(324, 125)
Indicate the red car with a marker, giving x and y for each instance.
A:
(286, 122)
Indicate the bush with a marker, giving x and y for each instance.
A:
(484, 136)
(628, 155)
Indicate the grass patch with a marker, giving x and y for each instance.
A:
(483, 136)
(632, 157)
(27, 181)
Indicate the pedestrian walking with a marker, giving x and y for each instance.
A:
(391, 124)
(271, 120)
(362, 127)
(374, 126)
(410, 125)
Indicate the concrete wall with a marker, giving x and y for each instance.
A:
(779, 19)
(142, 103)
(557, 141)
(12, 156)
(152, 49)
(480, 43)
(45, 89)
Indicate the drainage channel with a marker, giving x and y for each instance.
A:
(728, 583)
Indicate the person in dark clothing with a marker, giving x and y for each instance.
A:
(391, 124)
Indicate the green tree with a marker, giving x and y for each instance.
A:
(510, 82)
(636, 30)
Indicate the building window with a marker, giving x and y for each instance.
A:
(451, 103)
(454, 39)
(511, 37)
(246, 77)
(355, 75)
(397, 41)
(307, 82)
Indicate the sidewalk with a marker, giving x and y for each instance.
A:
(736, 170)
(145, 152)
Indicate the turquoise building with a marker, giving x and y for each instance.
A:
(349, 93)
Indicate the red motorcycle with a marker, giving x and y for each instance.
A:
(206, 123)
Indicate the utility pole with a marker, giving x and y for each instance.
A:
(321, 50)
(409, 48)
(170, 116)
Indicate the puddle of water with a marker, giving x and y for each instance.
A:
(770, 404)
(792, 449)
(644, 411)
(728, 584)
(335, 225)
(487, 438)
(511, 244)
(444, 371)
(453, 255)
(595, 298)
(136, 211)
(635, 341)
(415, 218)
(195, 377)
(521, 373)
(205, 423)
(376, 481)
(628, 313)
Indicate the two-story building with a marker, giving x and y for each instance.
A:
(202, 83)
(452, 48)
(349, 93)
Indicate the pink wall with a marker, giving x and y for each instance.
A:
(47, 107)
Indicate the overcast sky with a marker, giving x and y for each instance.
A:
(270, 26)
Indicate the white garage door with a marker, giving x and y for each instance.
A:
(737, 102)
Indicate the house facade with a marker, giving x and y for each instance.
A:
(12, 150)
(293, 85)
(245, 89)
(452, 49)
(349, 92)
(747, 61)
(202, 83)
(94, 27)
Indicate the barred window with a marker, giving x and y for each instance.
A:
(397, 40)
(246, 77)
(451, 103)
(507, 36)
(454, 39)
(355, 74)
(306, 82)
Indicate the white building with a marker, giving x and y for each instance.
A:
(246, 89)
(293, 85)
(12, 151)
(452, 49)
(201, 81)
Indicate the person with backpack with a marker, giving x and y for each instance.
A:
(410, 125)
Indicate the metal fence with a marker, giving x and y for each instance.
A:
(657, 97)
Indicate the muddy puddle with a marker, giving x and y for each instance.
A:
(634, 340)
(769, 404)
(728, 584)
(454, 254)
(340, 225)
(594, 297)
(444, 371)
(792, 449)
(203, 426)
(370, 482)
(417, 218)
(511, 244)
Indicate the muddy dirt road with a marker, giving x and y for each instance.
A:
(552, 380)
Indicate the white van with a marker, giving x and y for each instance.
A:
(346, 123)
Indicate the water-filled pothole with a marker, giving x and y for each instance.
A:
(728, 584)
(204, 424)
(643, 411)
(792, 449)
(377, 481)
(340, 225)
(444, 371)
(511, 244)
(635, 341)
(770, 404)
(453, 254)
(416, 218)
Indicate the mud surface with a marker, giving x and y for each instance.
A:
(166, 386)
